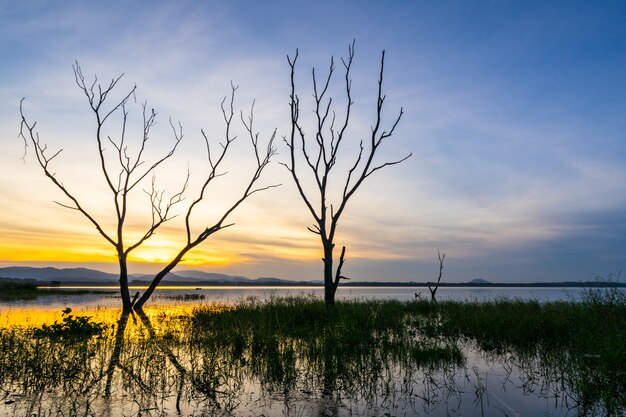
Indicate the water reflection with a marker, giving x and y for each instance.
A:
(108, 296)
(165, 362)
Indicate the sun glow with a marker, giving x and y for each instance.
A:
(162, 252)
(158, 250)
(152, 255)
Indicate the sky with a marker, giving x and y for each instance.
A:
(514, 112)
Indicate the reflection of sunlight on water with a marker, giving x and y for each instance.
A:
(35, 316)
(105, 307)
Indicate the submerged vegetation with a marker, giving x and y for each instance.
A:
(295, 356)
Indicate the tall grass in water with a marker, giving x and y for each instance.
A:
(352, 347)
(584, 341)
(345, 330)
(378, 354)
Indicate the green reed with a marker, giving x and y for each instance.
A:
(584, 342)
(373, 352)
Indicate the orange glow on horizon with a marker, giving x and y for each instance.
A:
(245, 249)
(155, 255)
(161, 257)
(53, 254)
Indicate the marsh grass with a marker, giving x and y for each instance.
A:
(358, 350)
(380, 354)
(343, 334)
(584, 342)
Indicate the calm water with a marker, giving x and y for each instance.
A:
(46, 309)
(167, 295)
(157, 372)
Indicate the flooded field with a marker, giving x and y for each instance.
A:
(293, 357)
(46, 309)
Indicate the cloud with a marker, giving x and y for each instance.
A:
(514, 117)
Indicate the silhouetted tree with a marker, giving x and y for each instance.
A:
(320, 153)
(123, 173)
(435, 287)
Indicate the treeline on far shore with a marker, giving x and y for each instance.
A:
(29, 284)
(12, 289)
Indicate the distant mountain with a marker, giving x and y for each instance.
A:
(196, 276)
(269, 280)
(55, 274)
(78, 275)
(187, 277)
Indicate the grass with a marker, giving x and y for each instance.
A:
(349, 340)
(585, 342)
(377, 353)
(594, 327)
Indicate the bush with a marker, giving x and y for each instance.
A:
(71, 327)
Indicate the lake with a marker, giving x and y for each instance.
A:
(166, 295)
(163, 364)
(46, 309)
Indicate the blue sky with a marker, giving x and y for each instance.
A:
(515, 113)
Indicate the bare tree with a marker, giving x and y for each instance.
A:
(435, 287)
(262, 159)
(123, 173)
(321, 153)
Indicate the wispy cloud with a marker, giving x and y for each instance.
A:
(514, 117)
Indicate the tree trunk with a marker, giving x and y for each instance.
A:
(146, 295)
(138, 306)
(329, 282)
(126, 303)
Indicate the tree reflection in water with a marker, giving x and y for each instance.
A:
(174, 364)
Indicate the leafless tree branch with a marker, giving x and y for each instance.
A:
(323, 157)
(28, 134)
(262, 159)
(435, 287)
